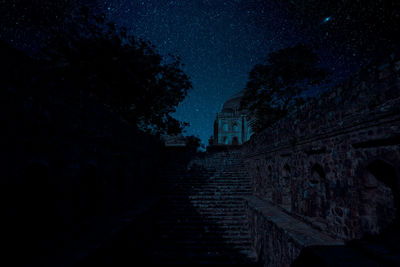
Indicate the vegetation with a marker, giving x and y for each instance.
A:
(275, 88)
(193, 143)
(126, 74)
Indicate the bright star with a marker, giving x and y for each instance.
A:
(327, 19)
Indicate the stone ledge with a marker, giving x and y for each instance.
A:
(301, 233)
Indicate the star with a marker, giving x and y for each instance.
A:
(327, 19)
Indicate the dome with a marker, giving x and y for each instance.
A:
(233, 103)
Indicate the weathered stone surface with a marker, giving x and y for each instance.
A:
(334, 163)
(205, 212)
(271, 227)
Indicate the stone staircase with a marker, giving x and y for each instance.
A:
(200, 219)
(203, 219)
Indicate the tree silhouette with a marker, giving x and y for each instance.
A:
(125, 74)
(193, 143)
(274, 88)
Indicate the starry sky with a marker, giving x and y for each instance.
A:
(219, 41)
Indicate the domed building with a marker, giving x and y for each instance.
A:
(231, 126)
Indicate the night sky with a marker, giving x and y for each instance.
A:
(220, 41)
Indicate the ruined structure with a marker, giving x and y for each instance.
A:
(231, 126)
(324, 175)
(174, 140)
(330, 171)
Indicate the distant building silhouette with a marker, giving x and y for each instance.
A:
(232, 126)
(174, 140)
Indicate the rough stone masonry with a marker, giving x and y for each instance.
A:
(332, 166)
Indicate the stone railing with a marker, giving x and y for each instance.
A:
(332, 165)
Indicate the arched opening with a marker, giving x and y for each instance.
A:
(385, 173)
(317, 174)
(286, 187)
(258, 177)
(225, 140)
(225, 127)
(235, 127)
(380, 197)
(235, 141)
(286, 171)
(315, 196)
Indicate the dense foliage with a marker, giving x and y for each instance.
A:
(126, 74)
(275, 88)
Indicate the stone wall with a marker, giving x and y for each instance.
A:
(334, 164)
(278, 238)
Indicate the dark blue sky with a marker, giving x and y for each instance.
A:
(219, 42)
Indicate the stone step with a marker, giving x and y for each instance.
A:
(206, 212)
(202, 246)
(221, 185)
(206, 178)
(208, 205)
(199, 201)
(209, 178)
(217, 203)
(200, 220)
(212, 183)
(196, 190)
(213, 193)
(199, 206)
(217, 238)
(224, 189)
(196, 193)
(194, 234)
(225, 179)
(204, 197)
(199, 190)
(224, 226)
(217, 219)
(213, 233)
(206, 175)
(204, 241)
(222, 229)
(209, 188)
(232, 174)
(168, 252)
(244, 257)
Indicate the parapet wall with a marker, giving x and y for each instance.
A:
(335, 163)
